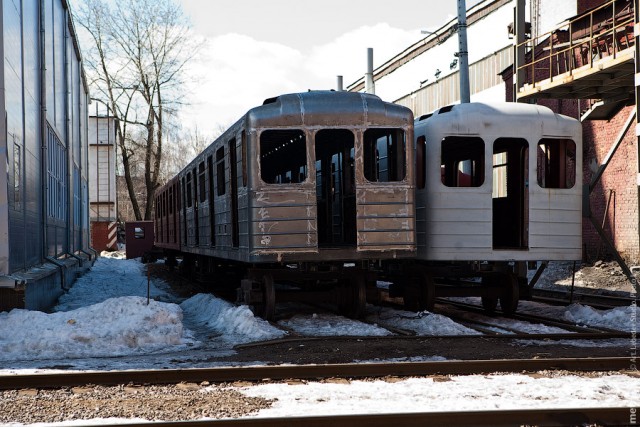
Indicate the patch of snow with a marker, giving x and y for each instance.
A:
(237, 324)
(620, 318)
(455, 393)
(109, 278)
(327, 324)
(115, 327)
(422, 323)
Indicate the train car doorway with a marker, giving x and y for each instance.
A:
(335, 188)
(510, 193)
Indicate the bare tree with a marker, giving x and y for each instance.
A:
(186, 145)
(141, 48)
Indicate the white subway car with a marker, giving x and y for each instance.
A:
(496, 185)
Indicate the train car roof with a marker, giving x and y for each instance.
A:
(472, 118)
(328, 108)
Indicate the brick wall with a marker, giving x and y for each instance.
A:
(584, 5)
(617, 183)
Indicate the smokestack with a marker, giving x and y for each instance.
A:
(463, 54)
(369, 86)
(339, 84)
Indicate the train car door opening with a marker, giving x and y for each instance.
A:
(510, 194)
(335, 187)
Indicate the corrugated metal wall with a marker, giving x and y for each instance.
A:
(483, 75)
(47, 214)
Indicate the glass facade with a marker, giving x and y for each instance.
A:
(45, 138)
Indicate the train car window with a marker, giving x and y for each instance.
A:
(421, 162)
(178, 200)
(244, 158)
(138, 233)
(164, 204)
(500, 175)
(556, 163)
(462, 161)
(283, 156)
(195, 187)
(201, 182)
(189, 191)
(384, 155)
(171, 199)
(220, 176)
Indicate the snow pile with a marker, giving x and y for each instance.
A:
(109, 278)
(115, 327)
(620, 318)
(114, 254)
(326, 325)
(236, 324)
(423, 323)
(459, 393)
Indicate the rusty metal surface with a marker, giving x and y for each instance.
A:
(278, 222)
(139, 238)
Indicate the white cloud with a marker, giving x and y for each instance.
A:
(235, 72)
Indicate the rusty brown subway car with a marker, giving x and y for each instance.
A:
(313, 189)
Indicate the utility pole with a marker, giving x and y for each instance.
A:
(463, 53)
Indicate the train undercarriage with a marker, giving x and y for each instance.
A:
(348, 286)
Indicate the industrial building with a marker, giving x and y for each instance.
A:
(102, 180)
(577, 57)
(44, 211)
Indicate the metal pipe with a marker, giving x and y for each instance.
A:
(80, 260)
(63, 282)
(339, 84)
(369, 85)
(43, 133)
(90, 255)
(463, 54)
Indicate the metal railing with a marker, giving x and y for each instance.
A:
(603, 32)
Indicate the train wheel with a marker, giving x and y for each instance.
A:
(352, 297)
(267, 307)
(427, 293)
(344, 297)
(489, 304)
(360, 297)
(411, 294)
(510, 294)
(490, 300)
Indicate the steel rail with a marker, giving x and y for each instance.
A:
(534, 318)
(601, 301)
(495, 336)
(494, 418)
(261, 373)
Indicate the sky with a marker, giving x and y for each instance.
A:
(104, 323)
(258, 49)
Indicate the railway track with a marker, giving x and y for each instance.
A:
(495, 418)
(509, 417)
(564, 297)
(283, 372)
